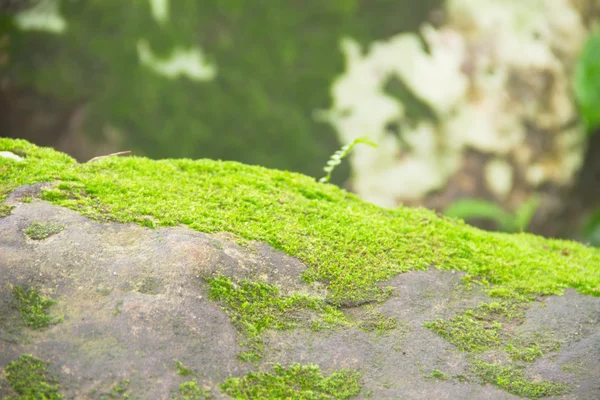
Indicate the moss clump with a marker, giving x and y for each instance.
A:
(467, 333)
(117, 309)
(437, 374)
(190, 391)
(5, 210)
(118, 391)
(33, 307)
(150, 285)
(41, 230)
(254, 307)
(480, 328)
(49, 163)
(529, 350)
(511, 379)
(29, 377)
(375, 321)
(297, 382)
(483, 328)
(183, 370)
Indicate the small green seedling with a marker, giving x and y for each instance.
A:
(336, 158)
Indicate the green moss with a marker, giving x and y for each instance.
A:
(468, 334)
(576, 367)
(254, 355)
(254, 307)
(29, 377)
(103, 291)
(526, 353)
(33, 307)
(511, 310)
(49, 164)
(375, 321)
(511, 379)
(41, 230)
(118, 391)
(183, 370)
(480, 328)
(348, 244)
(296, 381)
(529, 350)
(437, 374)
(483, 328)
(117, 309)
(5, 210)
(150, 285)
(190, 391)
(121, 387)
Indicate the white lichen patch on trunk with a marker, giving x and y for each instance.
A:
(496, 78)
(189, 62)
(45, 16)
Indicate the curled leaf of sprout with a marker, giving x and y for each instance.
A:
(336, 158)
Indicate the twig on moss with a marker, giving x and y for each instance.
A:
(118, 154)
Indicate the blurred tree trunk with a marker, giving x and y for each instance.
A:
(14, 6)
(484, 110)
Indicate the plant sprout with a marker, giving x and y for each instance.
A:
(336, 158)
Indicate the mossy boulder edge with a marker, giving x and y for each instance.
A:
(240, 267)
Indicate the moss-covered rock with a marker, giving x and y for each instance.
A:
(229, 269)
(349, 244)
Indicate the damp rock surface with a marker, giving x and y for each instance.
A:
(131, 302)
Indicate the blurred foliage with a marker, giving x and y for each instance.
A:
(591, 229)
(587, 82)
(587, 90)
(275, 63)
(507, 222)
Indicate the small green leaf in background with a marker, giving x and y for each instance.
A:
(587, 82)
(526, 211)
(591, 229)
(479, 208)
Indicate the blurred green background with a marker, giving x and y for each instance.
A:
(274, 60)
